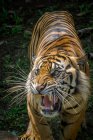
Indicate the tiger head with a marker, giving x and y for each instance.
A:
(52, 80)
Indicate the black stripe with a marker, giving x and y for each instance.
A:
(68, 66)
(46, 124)
(73, 107)
(71, 78)
(57, 59)
(77, 77)
(39, 115)
(64, 123)
(61, 56)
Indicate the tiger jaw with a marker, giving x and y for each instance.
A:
(51, 96)
(50, 106)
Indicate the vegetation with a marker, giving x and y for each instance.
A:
(17, 20)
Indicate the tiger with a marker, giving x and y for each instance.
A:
(58, 82)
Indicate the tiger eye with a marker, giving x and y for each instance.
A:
(55, 73)
(64, 90)
(36, 71)
(68, 67)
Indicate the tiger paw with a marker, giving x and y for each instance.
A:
(25, 137)
(22, 137)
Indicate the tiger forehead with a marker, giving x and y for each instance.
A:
(52, 62)
(46, 66)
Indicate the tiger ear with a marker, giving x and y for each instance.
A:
(82, 60)
(83, 64)
(33, 59)
(74, 62)
(78, 61)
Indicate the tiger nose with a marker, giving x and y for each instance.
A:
(40, 87)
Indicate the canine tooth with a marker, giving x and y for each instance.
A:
(42, 107)
(50, 97)
(51, 107)
(54, 99)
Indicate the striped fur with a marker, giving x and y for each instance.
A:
(58, 82)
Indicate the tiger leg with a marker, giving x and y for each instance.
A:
(38, 127)
(27, 135)
(70, 130)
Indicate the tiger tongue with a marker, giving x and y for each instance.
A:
(47, 103)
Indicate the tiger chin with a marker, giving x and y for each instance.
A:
(58, 83)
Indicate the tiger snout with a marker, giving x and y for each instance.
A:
(40, 88)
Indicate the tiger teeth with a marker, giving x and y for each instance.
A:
(49, 108)
(42, 107)
(50, 97)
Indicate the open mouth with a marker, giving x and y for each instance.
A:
(50, 106)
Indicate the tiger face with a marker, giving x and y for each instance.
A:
(50, 82)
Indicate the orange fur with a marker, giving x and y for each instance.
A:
(55, 42)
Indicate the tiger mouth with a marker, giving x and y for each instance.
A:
(50, 106)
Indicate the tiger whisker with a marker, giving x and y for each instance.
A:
(60, 77)
(16, 88)
(16, 77)
(12, 90)
(59, 95)
(47, 91)
(21, 70)
(22, 94)
(72, 98)
(59, 98)
(65, 100)
(50, 87)
(18, 100)
(22, 98)
(69, 104)
(16, 83)
(31, 86)
(21, 74)
(17, 73)
(19, 95)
